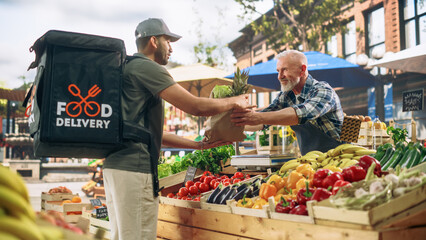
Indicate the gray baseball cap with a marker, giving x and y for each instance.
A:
(154, 27)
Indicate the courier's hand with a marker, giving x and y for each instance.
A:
(245, 116)
(241, 102)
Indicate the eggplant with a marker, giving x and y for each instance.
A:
(256, 192)
(243, 192)
(244, 185)
(222, 193)
(255, 184)
(212, 196)
(228, 196)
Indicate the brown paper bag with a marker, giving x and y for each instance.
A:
(220, 128)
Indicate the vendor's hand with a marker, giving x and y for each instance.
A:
(247, 116)
(204, 144)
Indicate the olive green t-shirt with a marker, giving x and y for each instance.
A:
(142, 79)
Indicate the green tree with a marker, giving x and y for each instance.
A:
(294, 23)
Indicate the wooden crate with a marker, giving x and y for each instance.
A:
(378, 216)
(290, 217)
(179, 202)
(55, 198)
(183, 223)
(71, 211)
(97, 224)
(261, 213)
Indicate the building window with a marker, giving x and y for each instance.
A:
(349, 42)
(258, 62)
(271, 57)
(257, 51)
(331, 47)
(414, 23)
(375, 33)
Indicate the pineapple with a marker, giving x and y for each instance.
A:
(240, 86)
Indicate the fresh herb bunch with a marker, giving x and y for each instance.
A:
(398, 134)
(209, 159)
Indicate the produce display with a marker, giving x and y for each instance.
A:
(336, 159)
(17, 217)
(208, 181)
(208, 159)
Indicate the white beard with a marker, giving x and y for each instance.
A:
(290, 85)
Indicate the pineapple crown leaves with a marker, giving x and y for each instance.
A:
(239, 85)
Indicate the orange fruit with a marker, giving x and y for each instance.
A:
(76, 199)
(66, 201)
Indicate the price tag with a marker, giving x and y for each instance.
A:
(190, 174)
(102, 212)
(96, 202)
(412, 100)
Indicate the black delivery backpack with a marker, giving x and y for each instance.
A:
(74, 104)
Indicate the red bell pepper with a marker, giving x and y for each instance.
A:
(319, 176)
(304, 194)
(321, 194)
(340, 184)
(285, 206)
(299, 210)
(353, 173)
(366, 161)
(331, 179)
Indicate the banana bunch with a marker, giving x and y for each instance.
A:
(344, 155)
(17, 217)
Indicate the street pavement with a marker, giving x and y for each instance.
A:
(36, 188)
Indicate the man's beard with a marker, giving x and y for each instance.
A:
(161, 56)
(290, 85)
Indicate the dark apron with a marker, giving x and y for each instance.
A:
(312, 138)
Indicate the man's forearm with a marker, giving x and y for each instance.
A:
(286, 116)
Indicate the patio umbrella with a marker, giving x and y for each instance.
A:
(336, 71)
(409, 60)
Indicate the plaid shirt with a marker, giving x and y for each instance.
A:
(318, 104)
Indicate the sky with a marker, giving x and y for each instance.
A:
(22, 22)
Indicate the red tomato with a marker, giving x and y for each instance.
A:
(207, 180)
(238, 175)
(212, 183)
(197, 199)
(237, 180)
(247, 176)
(193, 190)
(184, 198)
(197, 184)
(216, 184)
(207, 173)
(226, 183)
(170, 195)
(202, 178)
(224, 177)
(183, 191)
(189, 183)
(204, 187)
(227, 180)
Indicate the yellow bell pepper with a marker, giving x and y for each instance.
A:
(245, 203)
(306, 170)
(259, 203)
(293, 177)
(333, 168)
(277, 181)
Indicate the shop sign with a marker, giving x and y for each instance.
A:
(412, 100)
(190, 174)
(102, 212)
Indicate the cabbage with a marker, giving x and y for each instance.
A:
(221, 91)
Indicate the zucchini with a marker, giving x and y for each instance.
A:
(404, 157)
(380, 153)
(409, 158)
(394, 159)
(415, 160)
(213, 195)
(423, 159)
(387, 156)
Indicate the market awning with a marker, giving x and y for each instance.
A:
(336, 71)
(408, 60)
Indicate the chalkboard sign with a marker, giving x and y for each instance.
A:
(190, 174)
(412, 100)
(95, 202)
(101, 212)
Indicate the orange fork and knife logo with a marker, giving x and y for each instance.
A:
(91, 108)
